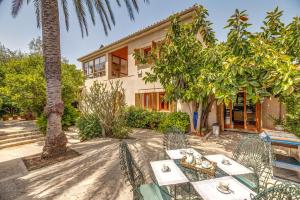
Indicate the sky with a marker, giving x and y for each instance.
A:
(16, 33)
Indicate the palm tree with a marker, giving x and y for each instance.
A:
(47, 15)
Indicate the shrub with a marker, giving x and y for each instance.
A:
(292, 120)
(139, 118)
(136, 117)
(68, 119)
(89, 127)
(106, 102)
(179, 120)
(154, 119)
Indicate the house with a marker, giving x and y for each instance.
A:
(116, 62)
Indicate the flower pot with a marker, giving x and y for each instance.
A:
(15, 117)
(5, 117)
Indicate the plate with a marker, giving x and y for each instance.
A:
(226, 162)
(206, 164)
(223, 191)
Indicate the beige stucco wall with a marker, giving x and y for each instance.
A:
(271, 106)
(134, 83)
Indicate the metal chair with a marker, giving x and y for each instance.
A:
(255, 154)
(280, 191)
(136, 178)
(175, 139)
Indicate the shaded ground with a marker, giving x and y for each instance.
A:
(96, 173)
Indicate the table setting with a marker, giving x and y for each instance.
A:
(219, 181)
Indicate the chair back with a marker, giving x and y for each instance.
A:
(280, 191)
(175, 139)
(129, 167)
(253, 152)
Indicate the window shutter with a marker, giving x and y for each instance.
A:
(138, 100)
(137, 51)
(154, 101)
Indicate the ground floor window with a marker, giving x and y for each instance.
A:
(153, 101)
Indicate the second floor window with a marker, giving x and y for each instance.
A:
(90, 68)
(100, 64)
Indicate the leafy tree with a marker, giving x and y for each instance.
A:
(25, 83)
(36, 46)
(47, 15)
(182, 66)
(287, 39)
(254, 64)
(273, 27)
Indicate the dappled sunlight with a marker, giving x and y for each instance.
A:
(96, 174)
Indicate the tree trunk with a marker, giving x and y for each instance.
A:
(206, 111)
(199, 119)
(55, 143)
(191, 116)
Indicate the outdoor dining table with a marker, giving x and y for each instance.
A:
(202, 184)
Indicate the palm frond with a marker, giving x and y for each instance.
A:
(98, 5)
(112, 17)
(66, 13)
(37, 6)
(103, 8)
(134, 2)
(81, 16)
(129, 9)
(118, 2)
(16, 6)
(91, 10)
(105, 15)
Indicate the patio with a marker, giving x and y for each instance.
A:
(96, 173)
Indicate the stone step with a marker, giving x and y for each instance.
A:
(18, 139)
(17, 135)
(2, 133)
(12, 144)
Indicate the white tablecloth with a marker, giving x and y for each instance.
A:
(233, 169)
(175, 176)
(208, 189)
(176, 155)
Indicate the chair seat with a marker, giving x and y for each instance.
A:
(246, 181)
(153, 192)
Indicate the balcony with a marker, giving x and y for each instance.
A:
(119, 63)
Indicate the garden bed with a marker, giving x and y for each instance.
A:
(36, 162)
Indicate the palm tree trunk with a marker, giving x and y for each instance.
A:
(55, 143)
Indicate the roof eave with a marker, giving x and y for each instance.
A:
(165, 22)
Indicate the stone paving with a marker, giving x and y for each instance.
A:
(96, 173)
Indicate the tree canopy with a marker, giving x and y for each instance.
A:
(195, 68)
(23, 81)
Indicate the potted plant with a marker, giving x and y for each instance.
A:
(5, 117)
(278, 123)
(15, 117)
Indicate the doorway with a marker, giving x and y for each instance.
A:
(242, 114)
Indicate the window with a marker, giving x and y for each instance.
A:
(85, 67)
(163, 104)
(147, 54)
(100, 64)
(153, 101)
(147, 101)
(90, 67)
(119, 67)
